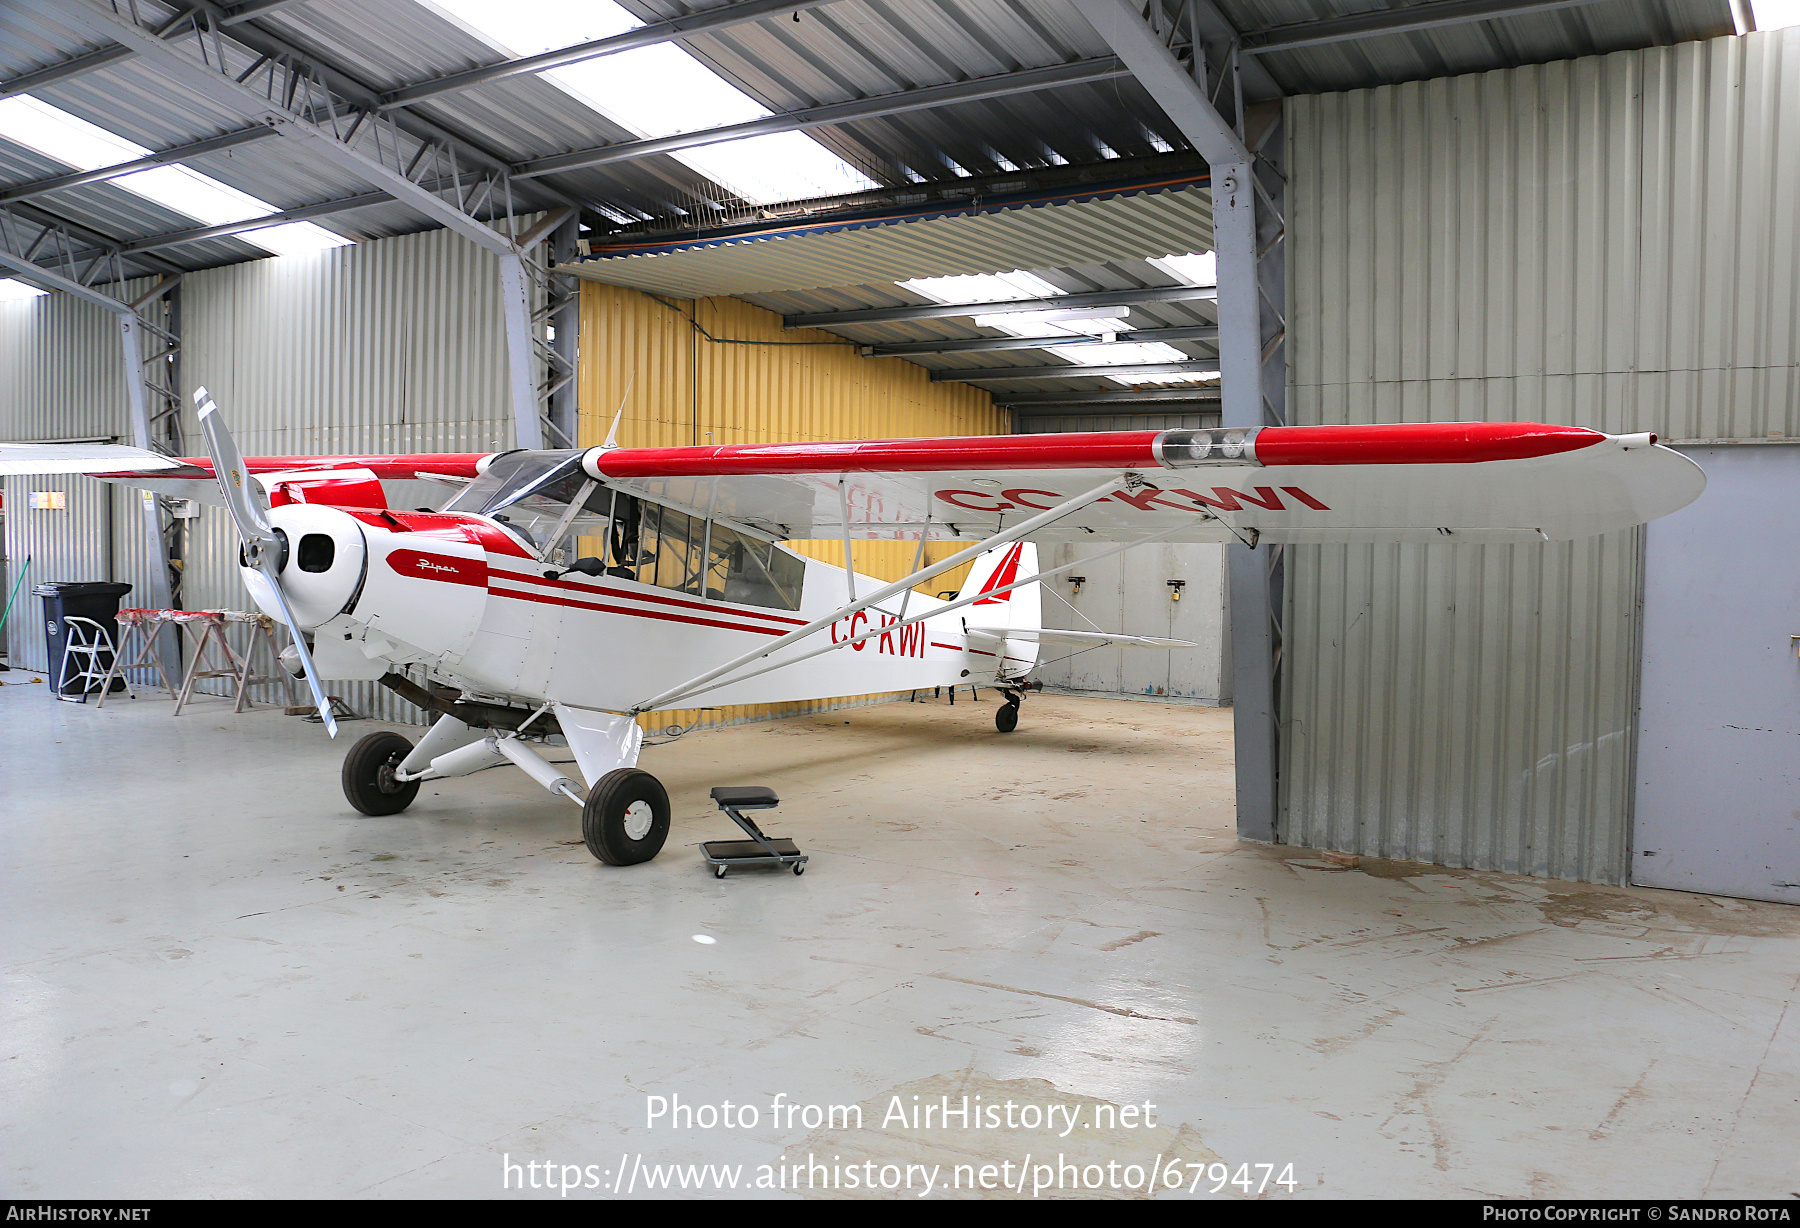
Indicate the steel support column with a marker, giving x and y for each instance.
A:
(134, 332)
(564, 310)
(521, 354)
(1205, 98)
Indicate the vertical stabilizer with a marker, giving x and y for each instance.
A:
(1022, 607)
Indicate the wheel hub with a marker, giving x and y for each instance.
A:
(638, 818)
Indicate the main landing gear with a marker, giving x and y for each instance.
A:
(368, 776)
(626, 817)
(624, 821)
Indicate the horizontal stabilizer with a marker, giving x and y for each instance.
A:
(1082, 639)
(33, 458)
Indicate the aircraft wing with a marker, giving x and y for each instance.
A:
(1076, 639)
(192, 477)
(1447, 481)
(44, 458)
(1438, 481)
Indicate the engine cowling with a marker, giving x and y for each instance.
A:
(323, 564)
(381, 594)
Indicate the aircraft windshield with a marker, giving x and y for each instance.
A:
(539, 496)
(548, 501)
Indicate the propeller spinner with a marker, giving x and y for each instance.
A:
(265, 549)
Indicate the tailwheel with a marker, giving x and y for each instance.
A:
(368, 776)
(1006, 716)
(626, 818)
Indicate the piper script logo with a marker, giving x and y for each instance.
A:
(445, 568)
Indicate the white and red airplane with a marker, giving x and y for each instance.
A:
(559, 595)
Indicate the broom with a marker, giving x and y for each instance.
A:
(9, 605)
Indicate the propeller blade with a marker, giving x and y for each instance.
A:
(228, 467)
(267, 576)
(262, 548)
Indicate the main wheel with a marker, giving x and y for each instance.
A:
(369, 781)
(626, 818)
(1006, 717)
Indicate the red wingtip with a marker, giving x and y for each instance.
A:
(1418, 443)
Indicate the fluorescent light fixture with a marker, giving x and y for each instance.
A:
(74, 142)
(658, 91)
(1120, 353)
(1087, 322)
(12, 291)
(998, 287)
(1084, 313)
(1775, 14)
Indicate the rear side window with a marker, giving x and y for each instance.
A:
(661, 546)
(317, 552)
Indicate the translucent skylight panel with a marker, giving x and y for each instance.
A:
(1775, 14)
(76, 143)
(1193, 268)
(661, 91)
(983, 287)
(11, 290)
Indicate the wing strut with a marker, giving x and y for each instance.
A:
(1023, 529)
(943, 609)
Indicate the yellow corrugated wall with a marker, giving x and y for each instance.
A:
(680, 389)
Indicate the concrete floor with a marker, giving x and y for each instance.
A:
(222, 982)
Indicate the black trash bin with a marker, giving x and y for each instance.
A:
(95, 599)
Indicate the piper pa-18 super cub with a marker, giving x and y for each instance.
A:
(559, 595)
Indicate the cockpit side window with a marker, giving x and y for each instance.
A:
(670, 549)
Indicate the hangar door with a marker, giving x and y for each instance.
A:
(1718, 789)
(1158, 589)
(1155, 589)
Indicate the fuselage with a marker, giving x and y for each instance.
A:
(461, 596)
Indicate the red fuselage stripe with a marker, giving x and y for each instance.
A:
(546, 599)
(621, 594)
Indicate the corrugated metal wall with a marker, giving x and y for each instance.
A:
(678, 389)
(395, 345)
(1027, 423)
(61, 377)
(390, 345)
(1609, 242)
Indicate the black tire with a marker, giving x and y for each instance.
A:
(1006, 717)
(368, 776)
(614, 833)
